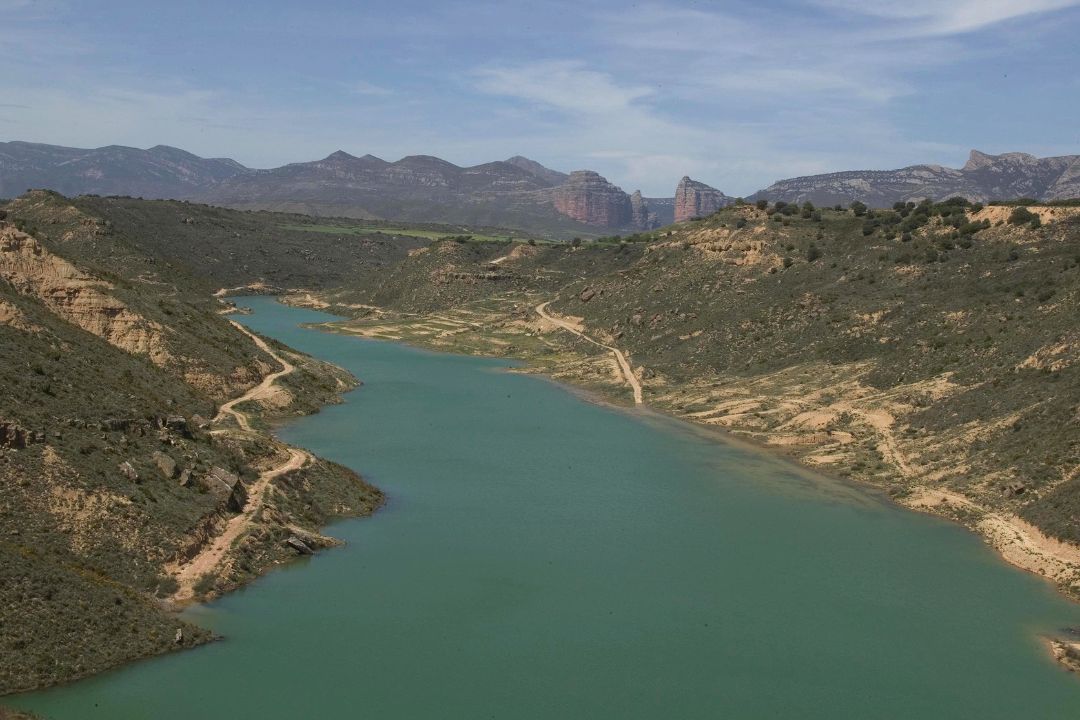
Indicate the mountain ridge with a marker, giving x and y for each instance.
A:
(517, 193)
(982, 178)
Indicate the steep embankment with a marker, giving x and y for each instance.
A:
(109, 474)
(203, 248)
(940, 364)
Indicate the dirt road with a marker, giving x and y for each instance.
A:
(263, 390)
(624, 364)
(188, 574)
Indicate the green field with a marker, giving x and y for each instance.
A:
(410, 232)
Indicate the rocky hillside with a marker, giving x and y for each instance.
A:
(930, 350)
(983, 178)
(112, 468)
(212, 247)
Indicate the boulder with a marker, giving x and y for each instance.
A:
(116, 424)
(179, 424)
(13, 436)
(128, 471)
(299, 546)
(587, 294)
(165, 464)
(219, 482)
(238, 497)
(185, 477)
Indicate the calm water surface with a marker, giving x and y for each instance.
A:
(544, 557)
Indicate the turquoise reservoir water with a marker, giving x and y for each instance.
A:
(544, 557)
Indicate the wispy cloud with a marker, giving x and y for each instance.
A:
(935, 17)
(567, 85)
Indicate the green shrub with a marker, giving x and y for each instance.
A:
(1022, 216)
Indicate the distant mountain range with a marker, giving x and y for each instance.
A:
(160, 172)
(984, 177)
(514, 193)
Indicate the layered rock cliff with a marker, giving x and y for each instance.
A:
(984, 177)
(641, 215)
(77, 297)
(696, 199)
(591, 199)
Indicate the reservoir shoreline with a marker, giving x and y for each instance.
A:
(1016, 543)
(375, 542)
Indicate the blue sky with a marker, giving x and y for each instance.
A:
(736, 94)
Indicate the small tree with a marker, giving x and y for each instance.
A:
(761, 204)
(858, 208)
(576, 242)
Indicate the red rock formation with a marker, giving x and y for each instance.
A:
(589, 198)
(696, 199)
(640, 216)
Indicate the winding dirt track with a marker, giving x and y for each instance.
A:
(624, 364)
(263, 390)
(189, 573)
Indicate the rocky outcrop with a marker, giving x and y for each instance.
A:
(238, 497)
(984, 177)
(128, 470)
(299, 546)
(589, 198)
(165, 464)
(695, 199)
(640, 215)
(77, 297)
(14, 436)
(219, 482)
